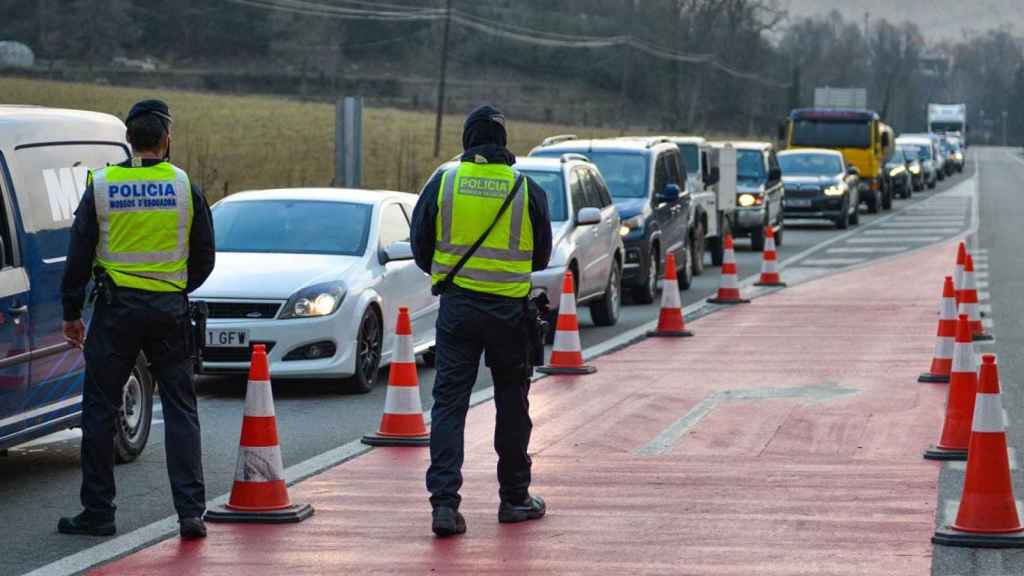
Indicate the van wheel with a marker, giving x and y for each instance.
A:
(135, 418)
(605, 312)
(697, 249)
(685, 275)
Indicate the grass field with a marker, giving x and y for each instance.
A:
(233, 143)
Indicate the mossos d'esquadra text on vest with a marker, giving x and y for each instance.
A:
(487, 187)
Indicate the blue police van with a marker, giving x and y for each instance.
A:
(45, 157)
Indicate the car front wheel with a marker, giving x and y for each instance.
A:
(605, 312)
(697, 252)
(843, 220)
(136, 415)
(648, 291)
(368, 354)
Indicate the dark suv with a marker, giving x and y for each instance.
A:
(648, 186)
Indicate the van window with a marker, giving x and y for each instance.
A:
(50, 180)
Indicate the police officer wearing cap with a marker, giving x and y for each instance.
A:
(483, 311)
(143, 232)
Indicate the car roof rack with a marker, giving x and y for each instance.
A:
(570, 156)
(550, 140)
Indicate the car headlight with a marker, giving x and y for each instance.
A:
(834, 191)
(897, 171)
(746, 200)
(959, 156)
(915, 169)
(630, 224)
(315, 301)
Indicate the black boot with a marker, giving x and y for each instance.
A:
(530, 509)
(192, 528)
(86, 525)
(448, 522)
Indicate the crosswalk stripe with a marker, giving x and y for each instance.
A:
(911, 232)
(832, 261)
(893, 239)
(866, 250)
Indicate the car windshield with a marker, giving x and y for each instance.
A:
(625, 173)
(552, 183)
(922, 151)
(810, 164)
(897, 157)
(831, 134)
(292, 227)
(691, 156)
(750, 165)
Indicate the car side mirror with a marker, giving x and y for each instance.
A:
(774, 174)
(396, 252)
(852, 171)
(588, 216)
(671, 193)
(712, 177)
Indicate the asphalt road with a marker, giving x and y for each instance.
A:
(40, 482)
(1001, 171)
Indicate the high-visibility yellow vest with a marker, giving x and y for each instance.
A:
(471, 196)
(145, 217)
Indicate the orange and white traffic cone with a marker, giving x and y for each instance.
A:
(958, 271)
(402, 423)
(963, 386)
(670, 319)
(988, 516)
(567, 353)
(942, 359)
(728, 286)
(769, 261)
(259, 493)
(969, 302)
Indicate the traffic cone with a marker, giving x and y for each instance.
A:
(958, 271)
(942, 359)
(670, 319)
(728, 287)
(969, 301)
(259, 493)
(963, 385)
(988, 516)
(769, 261)
(402, 423)
(567, 354)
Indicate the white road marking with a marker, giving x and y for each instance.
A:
(911, 232)
(832, 261)
(866, 250)
(894, 239)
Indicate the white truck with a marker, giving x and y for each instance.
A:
(714, 193)
(830, 97)
(951, 118)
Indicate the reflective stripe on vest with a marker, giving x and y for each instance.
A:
(471, 195)
(145, 217)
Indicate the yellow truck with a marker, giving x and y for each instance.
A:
(860, 135)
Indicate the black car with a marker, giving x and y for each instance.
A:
(897, 174)
(648, 186)
(819, 185)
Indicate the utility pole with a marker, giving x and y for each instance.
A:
(1005, 115)
(627, 58)
(442, 79)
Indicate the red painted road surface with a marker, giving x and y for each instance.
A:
(796, 485)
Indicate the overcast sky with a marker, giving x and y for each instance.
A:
(938, 19)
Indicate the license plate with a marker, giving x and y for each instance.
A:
(227, 338)
(798, 202)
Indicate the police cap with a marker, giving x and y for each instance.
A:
(157, 108)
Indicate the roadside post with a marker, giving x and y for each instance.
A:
(348, 142)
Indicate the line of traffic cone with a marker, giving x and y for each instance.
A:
(769, 261)
(728, 286)
(969, 301)
(958, 270)
(259, 493)
(402, 423)
(942, 359)
(567, 352)
(963, 386)
(670, 319)
(988, 515)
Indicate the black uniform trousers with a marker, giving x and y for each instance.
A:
(157, 324)
(470, 324)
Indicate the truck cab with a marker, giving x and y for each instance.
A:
(860, 135)
(45, 157)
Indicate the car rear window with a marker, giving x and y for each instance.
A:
(292, 227)
(554, 187)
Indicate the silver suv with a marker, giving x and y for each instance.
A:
(585, 231)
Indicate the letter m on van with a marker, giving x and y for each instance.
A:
(65, 187)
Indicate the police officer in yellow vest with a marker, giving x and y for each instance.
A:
(483, 311)
(144, 234)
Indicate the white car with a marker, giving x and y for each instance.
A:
(318, 276)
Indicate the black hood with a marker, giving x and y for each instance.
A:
(484, 126)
